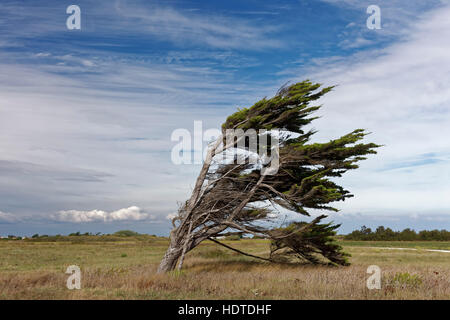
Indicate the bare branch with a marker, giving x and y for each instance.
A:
(239, 251)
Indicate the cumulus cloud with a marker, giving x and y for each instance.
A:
(132, 213)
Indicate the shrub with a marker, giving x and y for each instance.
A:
(126, 233)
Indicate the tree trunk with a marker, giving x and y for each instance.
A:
(169, 261)
(173, 253)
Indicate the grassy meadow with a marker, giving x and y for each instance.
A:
(125, 268)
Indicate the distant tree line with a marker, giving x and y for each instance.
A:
(78, 234)
(382, 233)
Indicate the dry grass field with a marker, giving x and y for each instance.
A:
(125, 269)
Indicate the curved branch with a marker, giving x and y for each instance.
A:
(239, 251)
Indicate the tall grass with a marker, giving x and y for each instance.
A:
(36, 271)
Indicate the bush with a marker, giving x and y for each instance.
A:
(126, 233)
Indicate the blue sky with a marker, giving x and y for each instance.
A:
(86, 115)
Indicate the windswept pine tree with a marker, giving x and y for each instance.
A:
(237, 197)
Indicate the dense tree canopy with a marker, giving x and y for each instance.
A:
(387, 234)
(234, 197)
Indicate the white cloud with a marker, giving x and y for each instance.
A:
(75, 60)
(8, 217)
(354, 43)
(116, 120)
(132, 213)
(400, 94)
(207, 29)
(43, 54)
(170, 216)
(141, 18)
(396, 15)
(65, 117)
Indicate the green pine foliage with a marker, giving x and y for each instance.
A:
(307, 171)
(229, 195)
(315, 245)
(304, 177)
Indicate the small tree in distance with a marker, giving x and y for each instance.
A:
(234, 198)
